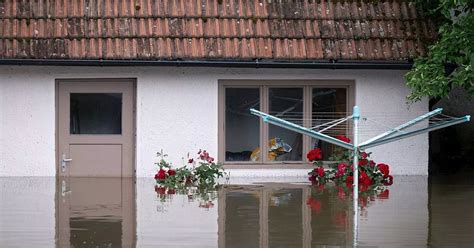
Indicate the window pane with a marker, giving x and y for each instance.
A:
(285, 145)
(329, 104)
(96, 113)
(242, 129)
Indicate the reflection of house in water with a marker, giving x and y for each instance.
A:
(277, 215)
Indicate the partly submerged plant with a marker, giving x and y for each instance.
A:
(341, 171)
(201, 171)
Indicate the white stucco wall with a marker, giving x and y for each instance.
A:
(177, 112)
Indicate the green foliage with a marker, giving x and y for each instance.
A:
(450, 60)
(206, 173)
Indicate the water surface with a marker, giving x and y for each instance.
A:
(415, 212)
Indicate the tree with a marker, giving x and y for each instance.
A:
(450, 59)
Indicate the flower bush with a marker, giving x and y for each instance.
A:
(341, 169)
(201, 171)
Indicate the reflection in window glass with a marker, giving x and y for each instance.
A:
(329, 104)
(96, 113)
(285, 218)
(242, 219)
(242, 129)
(286, 145)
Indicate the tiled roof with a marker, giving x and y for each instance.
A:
(213, 29)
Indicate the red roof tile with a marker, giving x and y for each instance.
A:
(213, 29)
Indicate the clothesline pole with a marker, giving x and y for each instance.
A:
(355, 118)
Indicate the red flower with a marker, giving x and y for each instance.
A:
(160, 190)
(161, 175)
(314, 154)
(314, 204)
(171, 172)
(388, 181)
(190, 161)
(364, 179)
(372, 164)
(171, 191)
(320, 171)
(312, 178)
(349, 181)
(384, 169)
(343, 138)
(384, 194)
(364, 155)
(363, 162)
(341, 169)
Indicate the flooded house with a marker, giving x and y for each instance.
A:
(97, 88)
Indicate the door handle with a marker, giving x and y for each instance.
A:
(64, 162)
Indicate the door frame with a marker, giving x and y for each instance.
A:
(98, 80)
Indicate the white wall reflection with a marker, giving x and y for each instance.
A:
(27, 212)
(176, 222)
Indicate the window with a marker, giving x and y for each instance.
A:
(243, 136)
(95, 113)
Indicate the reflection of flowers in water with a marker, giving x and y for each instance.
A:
(203, 196)
(338, 198)
(314, 204)
(206, 204)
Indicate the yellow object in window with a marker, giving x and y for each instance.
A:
(276, 147)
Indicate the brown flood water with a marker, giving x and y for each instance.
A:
(414, 212)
